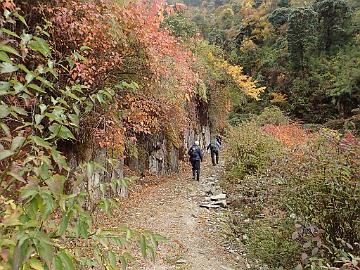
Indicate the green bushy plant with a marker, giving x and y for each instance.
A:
(272, 116)
(273, 245)
(250, 150)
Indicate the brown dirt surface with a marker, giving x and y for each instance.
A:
(170, 207)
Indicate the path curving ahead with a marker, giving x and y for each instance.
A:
(171, 208)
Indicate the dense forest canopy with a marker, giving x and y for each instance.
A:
(305, 52)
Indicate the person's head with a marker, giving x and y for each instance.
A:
(197, 143)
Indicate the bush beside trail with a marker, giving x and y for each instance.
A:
(298, 192)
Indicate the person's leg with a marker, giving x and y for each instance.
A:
(193, 164)
(213, 158)
(197, 170)
(217, 157)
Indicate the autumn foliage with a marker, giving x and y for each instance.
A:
(288, 134)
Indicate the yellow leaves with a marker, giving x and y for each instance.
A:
(277, 97)
(247, 45)
(12, 213)
(244, 82)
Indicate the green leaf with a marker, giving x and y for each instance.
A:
(82, 228)
(41, 46)
(49, 204)
(40, 142)
(29, 77)
(27, 193)
(7, 68)
(78, 56)
(64, 223)
(9, 33)
(56, 184)
(45, 82)
(76, 110)
(19, 87)
(43, 108)
(4, 111)
(25, 38)
(61, 132)
(38, 119)
(74, 120)
(59, 159)
(6, 129)
(58, 263)
(43, 171)
(112, 259)
(21, 252)
(19, 110)
(36, 88)
(8, 49)
(36, 264)
(17, 177)
(44, 247)
(142, 242)
(21, 18)
(84, 48)
(4, 57)
(71, 62)
(5, 154)
(4, 87)
(17, 142)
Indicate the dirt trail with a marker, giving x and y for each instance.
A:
(171, 208)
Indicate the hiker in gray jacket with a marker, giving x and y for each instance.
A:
(214, 147)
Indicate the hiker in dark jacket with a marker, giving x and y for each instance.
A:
(196, 158)
(214, 147)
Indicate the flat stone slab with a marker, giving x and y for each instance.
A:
(221, 203)
(218, 197)
(210, 205)
(181, 261)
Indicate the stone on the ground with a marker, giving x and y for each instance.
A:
(218, 197)
(209, 205)
(208, 190)
(226, 268)
(221, 203)
(181, 261)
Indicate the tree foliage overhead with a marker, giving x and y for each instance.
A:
(284, 45)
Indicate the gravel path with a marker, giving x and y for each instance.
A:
(171, 208)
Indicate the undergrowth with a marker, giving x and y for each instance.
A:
(298, 193)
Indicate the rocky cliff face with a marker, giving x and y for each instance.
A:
(156, 154)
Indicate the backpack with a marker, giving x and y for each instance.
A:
(214, 145)
(192, 151)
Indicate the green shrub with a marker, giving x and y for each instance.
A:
(272, 244)
(272, 116)
(250, 151)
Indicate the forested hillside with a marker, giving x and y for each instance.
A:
(305, 52)
(97, 95)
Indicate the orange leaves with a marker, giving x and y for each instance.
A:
(8, 4)
(289, 134)
(142, 114)
(77, 23)
(110, 133)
